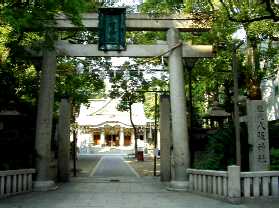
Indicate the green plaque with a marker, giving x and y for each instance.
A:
(112, 29)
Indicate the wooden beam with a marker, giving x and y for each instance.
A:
(79, 50)
(137, 22)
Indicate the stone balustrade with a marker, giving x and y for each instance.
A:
(208, 181)
(15, 182)
(260, 184)
(234, 185)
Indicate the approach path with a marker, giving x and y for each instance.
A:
(97, 191)
(113, 166)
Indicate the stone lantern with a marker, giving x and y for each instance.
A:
(217, 114)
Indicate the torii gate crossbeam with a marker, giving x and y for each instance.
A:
(140, 51)
(138, 22)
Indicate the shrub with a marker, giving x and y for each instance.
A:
(220, 151)
(274, 158)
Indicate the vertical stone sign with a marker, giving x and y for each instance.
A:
(64, 140)
(258, 135)
(165, 144)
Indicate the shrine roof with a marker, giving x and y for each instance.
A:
(101, 112)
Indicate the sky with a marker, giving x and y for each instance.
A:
(240, 34)
(127, 2)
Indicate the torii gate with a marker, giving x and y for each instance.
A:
(174, 50)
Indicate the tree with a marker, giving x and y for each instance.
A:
(16, 64)
(212, 79)
(17, 18)
(28, 24)
(80, 85)
(257, 19)
(129, 85)
(251, 11)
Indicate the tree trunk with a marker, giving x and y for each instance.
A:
(135, 130)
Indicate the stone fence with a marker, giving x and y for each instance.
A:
(15, 182)
(234, 185)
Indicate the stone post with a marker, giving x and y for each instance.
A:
(158, 137)
(150, 133)
(234, 191)
(44, 122)
(121, 136)
(180, 138)
(102, 137)
(259, 159)
(132, 137)
(145, 135)
(64, 140)
(165, 145)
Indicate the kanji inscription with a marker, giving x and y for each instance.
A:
(258, 135)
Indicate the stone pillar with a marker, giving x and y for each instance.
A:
(145, 135)
(132, 137)
(121, 136)
(234, 191)
(165, 144)
(259, 159)
(64, 141)
(180, 138)
(93, 139)
(44, 122)
(158, 138)
(88, 142)
(102, 137)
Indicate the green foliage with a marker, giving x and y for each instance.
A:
(22, 80)
(8, 86)
(145, 37)
(250, 11)
(129, 87)
(273, 128)
(149, 105)
(274, 157)
(79, 86)
(24, 14)
(219, 152)
(18, 85)
(155, 7)
(167, 7)
(4, 34)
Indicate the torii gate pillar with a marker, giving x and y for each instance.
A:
(181, 153)
(44, 122)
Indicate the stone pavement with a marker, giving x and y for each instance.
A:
(120, 192)
(113, 166)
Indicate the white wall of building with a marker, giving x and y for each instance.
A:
(270, 93)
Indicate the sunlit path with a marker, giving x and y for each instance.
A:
(113, 166)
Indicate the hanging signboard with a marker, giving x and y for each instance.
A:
(112, 29)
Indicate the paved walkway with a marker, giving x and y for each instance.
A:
(113, 166)
(127, 192)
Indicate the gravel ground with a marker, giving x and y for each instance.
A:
(146, 167)
(86, 164)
